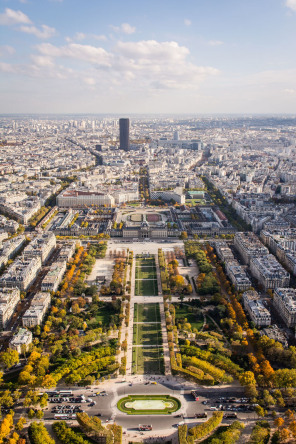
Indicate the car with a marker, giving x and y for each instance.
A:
(213, 408)
(98, 414)
(154, 382)
(204, 402)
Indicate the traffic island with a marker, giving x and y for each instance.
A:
(148, 405)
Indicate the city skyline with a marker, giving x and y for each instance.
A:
(168, 57)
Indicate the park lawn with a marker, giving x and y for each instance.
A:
(148, 360)
(150, 260)
(102, 317)
(196, 320)
(145, 272)
(146, 287)
(158, 404)
(147, 334)
(146, 313)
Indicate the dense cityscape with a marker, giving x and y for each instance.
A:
(147, 279)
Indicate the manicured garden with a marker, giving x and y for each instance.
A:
(146, 313)
(146, 287)
(148, 405)
(190, 314)
(145, 272)
(147, 340)
(147, 334)
(145, 279)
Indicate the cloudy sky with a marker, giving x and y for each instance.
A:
(147, 56)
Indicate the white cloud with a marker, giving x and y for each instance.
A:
(6, 50)
(86, 53)
(44, 33)
(7, 67)
(12, 17)
(89, 81)
(290, 91)
(151, 50)
(291, 4)
(215, 42)
(187, 22)
(42, 61)
(142, 66)
(101, 37)
(79, 36)
(125, 28)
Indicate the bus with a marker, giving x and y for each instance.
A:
(66, 393)
(64, 416)
(52, 394)
(195, 395)
(145, 427)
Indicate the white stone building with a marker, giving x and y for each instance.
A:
(35, 314)
(9, 298)
(21, 340)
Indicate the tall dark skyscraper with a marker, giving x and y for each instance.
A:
(124, 134)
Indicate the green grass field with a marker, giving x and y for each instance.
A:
(146, 313)
(147, 334)
(148, 360)
(157, 404)
(145, 272)
(144, 261)
(196, 320)
(146, 287)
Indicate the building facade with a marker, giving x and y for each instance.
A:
(9, 298)
(124, 143)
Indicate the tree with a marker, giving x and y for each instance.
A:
(279, 422)
(39, 414)
(6, 399)
(31, 414)
(247, 378)
(260, 411)
(20, 424)
(9, 358)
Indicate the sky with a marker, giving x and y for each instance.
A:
(148, 56)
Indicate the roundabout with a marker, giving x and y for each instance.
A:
(148, 404)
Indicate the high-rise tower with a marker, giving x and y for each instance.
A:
(124, 134)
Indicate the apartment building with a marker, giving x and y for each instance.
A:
(21, 341)
(9, 298)
(223, 251)
(10, 248)
(42, 246)
(249, 246)
(284, 301)
(21, 273)
(269, 272)
(67, 251)
(35, 314)
(237, 275)
(256, 309)
(54, 276)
